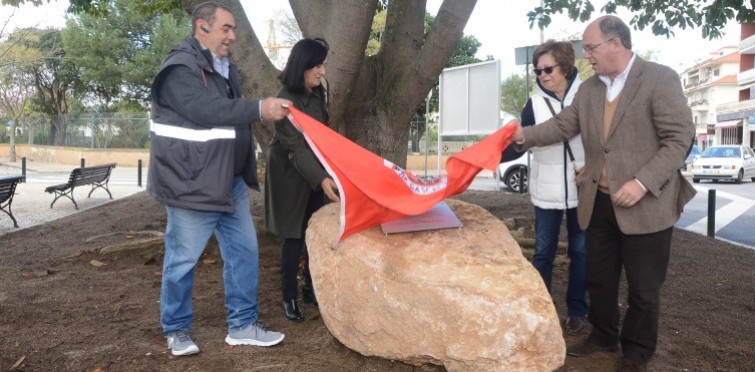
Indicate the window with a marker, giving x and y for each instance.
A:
(716, 72)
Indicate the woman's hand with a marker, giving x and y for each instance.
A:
(331, 189)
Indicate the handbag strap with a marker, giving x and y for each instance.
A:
(566, 143)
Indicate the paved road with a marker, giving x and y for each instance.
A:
(735, 212)
(31, 204)
(735, 209)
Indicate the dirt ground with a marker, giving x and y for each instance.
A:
(66, 307)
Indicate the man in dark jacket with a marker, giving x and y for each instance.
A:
(202, 166)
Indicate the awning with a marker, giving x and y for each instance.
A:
(728, 124)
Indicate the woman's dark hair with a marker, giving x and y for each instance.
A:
(305, 54)
(562, 52)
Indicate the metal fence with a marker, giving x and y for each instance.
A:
(90, 130)
(131, 131)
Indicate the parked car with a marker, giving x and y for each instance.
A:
(694, 154)
(510, 173)
(731, 162)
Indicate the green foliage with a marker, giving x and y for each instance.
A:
(515, 90)
(464, 54)
(661, 16)
(376, 34)
(17, 54)
(119, 52)
(53, 77)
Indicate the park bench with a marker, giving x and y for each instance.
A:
(7, 190)
(97, 176)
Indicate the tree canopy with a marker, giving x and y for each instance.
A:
(661, 16)
(373, 96)
(118, 53)
(379, 78)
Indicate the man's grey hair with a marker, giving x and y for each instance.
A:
(614, 27)
(206, 12)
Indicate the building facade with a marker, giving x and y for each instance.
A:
(737, 117)
(708, 84)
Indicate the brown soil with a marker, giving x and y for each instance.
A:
(61, 310)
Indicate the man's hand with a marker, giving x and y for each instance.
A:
(518, 135)
(331, 189)
(628, 195)
(274, 108)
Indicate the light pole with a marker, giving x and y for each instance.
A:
(427, 127)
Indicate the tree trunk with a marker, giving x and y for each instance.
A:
(372, 98)
(418, 130)
(58, 130)
(12, 139)
(385, 135)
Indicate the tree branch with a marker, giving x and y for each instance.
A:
(346, 61)
(419, 77)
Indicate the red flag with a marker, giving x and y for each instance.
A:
(374, 190)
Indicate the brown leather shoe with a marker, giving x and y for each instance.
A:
(628, 365)
(588, 347)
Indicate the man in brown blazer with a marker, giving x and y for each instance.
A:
(636, 128)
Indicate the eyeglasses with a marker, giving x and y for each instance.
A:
(591, 48)
(547, 69)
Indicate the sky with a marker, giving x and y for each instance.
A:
(501, 27)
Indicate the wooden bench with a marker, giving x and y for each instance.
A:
(97, 176)
(7, 190)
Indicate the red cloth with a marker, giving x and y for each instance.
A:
(374, 190)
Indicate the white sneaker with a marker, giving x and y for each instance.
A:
(180, 343)
(254, 334)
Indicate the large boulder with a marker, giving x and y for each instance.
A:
(463, 298)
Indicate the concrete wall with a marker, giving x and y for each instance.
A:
(130, 157)
(73, 155)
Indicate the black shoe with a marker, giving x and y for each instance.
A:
(628, 365)
(308, 296)
(574, 324)
(588, 347)
(293, 312)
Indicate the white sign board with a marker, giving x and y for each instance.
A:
(470, 97)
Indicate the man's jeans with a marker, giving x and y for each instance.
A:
(547, 228)
(186, 236)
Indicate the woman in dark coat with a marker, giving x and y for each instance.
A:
(296, 184)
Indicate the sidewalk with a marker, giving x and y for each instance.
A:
(31, 204)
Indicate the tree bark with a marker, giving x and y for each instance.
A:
(372, 98)
(12, 146)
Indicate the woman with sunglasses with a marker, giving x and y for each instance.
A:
(296, 184)
(552, 185)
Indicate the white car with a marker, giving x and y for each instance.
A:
(730, 162)
(511, 173)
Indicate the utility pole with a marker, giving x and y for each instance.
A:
(542, 32)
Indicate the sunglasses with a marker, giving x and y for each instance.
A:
(547, 69)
